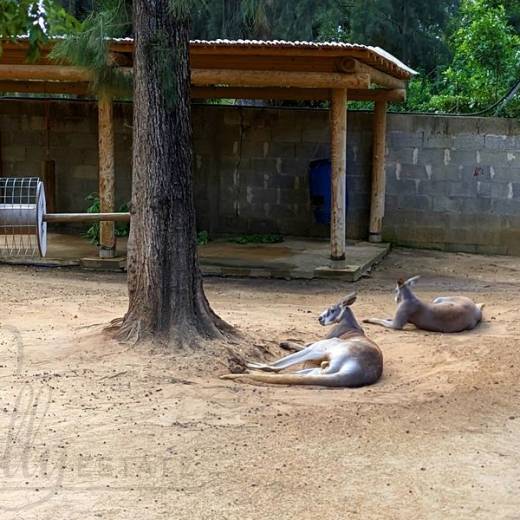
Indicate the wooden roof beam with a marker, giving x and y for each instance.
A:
(45, 87)
(44, 73)
(257, 78)
(297, 94)
(353, 66)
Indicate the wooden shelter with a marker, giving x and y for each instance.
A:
(338, 72)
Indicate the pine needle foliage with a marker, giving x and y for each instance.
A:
(89, 47)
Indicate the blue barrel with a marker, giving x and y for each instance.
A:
(320, 190)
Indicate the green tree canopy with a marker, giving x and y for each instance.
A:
(37, 20)
(486, 58)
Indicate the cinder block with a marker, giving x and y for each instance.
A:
(441, 203)
(291, 196)
(433, 156)
(84, 171)
(415, 202)
(506, 207)
(464, 157)
(401, 217)
(13, 153)
(502, 173)
(400, 187)
(285, 182)
(318, 133)
(500, 190)
(462, 189)
(23, 169)
(476, 206)
(398, 140)
(28, 138)
(9, 123)
(433, 187)
(282, 149)
(411, 171)
(358, 202)
(286, 132)
(483, 189)
(516, 189)
(494, 158)
(438, 141)
(261, 134)
(391, 203)
(293, 167)
(499, 142)
(75, 125)
(311, 151)
(468, 142)
(358, 183)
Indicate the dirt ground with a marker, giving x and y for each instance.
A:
(94, 429)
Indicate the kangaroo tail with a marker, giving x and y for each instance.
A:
(337, 380)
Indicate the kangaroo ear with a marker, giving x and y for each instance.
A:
(411, 281)
(349, 300)
(400, 282)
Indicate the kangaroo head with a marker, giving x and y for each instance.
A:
(340, 311)
(403, 286)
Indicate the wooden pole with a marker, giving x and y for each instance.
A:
(107, 238)
(338, 132)
(86, 217)
(49, 183)
(377, 204)
(1, 160)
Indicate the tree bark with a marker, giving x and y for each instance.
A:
(166, 296)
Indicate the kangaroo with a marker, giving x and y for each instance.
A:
(345, 358)
(444, 314)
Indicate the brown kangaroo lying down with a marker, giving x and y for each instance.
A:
(444, 314)
(345, 358)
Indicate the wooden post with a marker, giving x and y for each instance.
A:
(107, 238)
(1, 160)
(377, 204)
(49, 183)
(338, 133)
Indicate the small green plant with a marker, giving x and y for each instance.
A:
(202, 238)
(92, 234)
(257, 239)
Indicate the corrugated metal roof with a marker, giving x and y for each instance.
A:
(376, 52)
(283, 44)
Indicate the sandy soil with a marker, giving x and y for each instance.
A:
(94, 429)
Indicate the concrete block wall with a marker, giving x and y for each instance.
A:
(252, 169)
(453, 183)
(71, 142)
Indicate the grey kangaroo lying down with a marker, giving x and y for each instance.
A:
(444, 314)
(345, 358)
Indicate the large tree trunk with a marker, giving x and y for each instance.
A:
(167, 300)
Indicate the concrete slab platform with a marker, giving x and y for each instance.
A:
(117, 263)
(293, 258)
